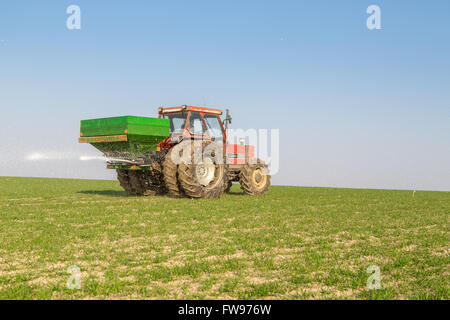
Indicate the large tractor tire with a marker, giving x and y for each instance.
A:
(204, 174)
(255, 178)
(170, 175)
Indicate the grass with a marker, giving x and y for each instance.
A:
(293, 243)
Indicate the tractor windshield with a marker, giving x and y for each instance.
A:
(195, 124)
(213, 124)
(177, 121)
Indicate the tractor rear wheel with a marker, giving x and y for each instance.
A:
(204, 173)
(170, 176)
(255, 178)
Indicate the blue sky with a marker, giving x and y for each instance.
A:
(355, 107)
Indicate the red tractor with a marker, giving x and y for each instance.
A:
(183, 153)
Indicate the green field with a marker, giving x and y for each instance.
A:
(293, 243)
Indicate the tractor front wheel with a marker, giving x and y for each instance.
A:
(255, 178)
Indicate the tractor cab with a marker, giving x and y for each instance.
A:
(193, 123)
